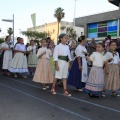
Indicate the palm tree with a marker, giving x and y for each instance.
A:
(59, 15)
(10, 31)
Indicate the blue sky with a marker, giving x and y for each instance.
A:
(44, 9)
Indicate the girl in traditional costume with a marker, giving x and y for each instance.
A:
(19, 62)
(6, 56)
(43, 73)
(112, 76)
(95, 82)
(51, 47)
(78, 73)
(32, 57)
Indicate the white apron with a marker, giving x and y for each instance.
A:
(84, 70)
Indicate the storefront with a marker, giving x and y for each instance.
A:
(98, 26)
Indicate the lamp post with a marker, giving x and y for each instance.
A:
(74, 15)
(9, 20)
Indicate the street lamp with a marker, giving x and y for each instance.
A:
(74, 14)
(9, 20)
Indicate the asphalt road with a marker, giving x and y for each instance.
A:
(22, 99)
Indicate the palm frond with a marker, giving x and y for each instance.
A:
(59, 14)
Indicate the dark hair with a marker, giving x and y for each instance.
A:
(18, 38)
(112, 42)
(7, 37)
(109, 37)
(106, 38)
(81, 38)
(101, 45)
(61, 36)
(44, 39)
(48, 38)
(74, 35)
(21, 39)
(31, 41)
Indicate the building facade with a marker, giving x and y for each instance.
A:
(98, 26)
(52, 29)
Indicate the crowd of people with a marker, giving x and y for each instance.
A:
(66, 62)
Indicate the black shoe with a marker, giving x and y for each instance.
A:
(96, 96)
(60, 84)
(47, 86)
(114, 94)
(91, 95)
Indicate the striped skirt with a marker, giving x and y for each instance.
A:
(95, 81)
(112, 80)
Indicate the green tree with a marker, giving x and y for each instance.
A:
(1, 40)
(10, 31)
(59, 15)
(63, 27)
(69, 30)
(34, 35)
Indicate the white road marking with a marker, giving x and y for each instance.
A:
(91, 103)
(51, 104)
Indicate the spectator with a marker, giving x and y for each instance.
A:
(92, 46)
(27, 45)
(48, 41)
(18, 41)
(108, 39)
(118, 46)
(72, 46)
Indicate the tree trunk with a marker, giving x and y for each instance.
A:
(58, 32)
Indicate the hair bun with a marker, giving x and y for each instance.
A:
(81, 38)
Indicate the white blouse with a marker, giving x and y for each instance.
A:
(115, 60)
(21, 47)
(71, 42)
(48, 52)
(32, 48)
(79, 52)
(4, 45)
(61, 50)
(97, 59)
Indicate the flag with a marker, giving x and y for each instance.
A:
(33, 17)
